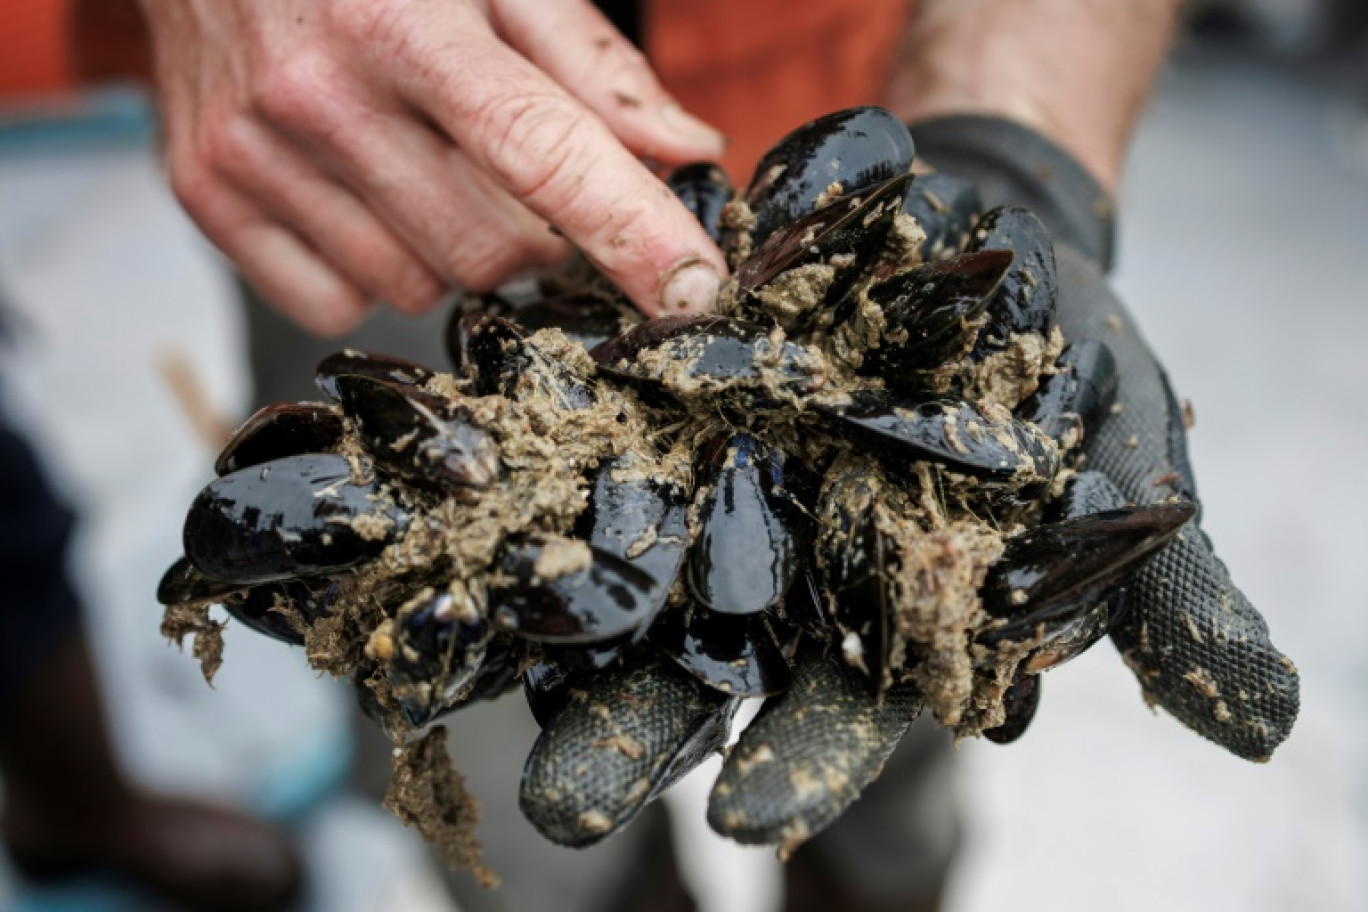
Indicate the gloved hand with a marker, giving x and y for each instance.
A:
(1198, 647)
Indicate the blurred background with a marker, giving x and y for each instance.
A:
(1243, 221)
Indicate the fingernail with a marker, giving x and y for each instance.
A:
(691, 287)
(685, 125)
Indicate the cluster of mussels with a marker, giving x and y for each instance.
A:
(871, 448)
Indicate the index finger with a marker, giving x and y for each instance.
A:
(562, 162)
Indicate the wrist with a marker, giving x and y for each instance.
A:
(1073, 70)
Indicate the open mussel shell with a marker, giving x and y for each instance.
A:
(855, 149)
(946, 208)
(298, 516)
(1025, 302)
(753, 532)
(562, 591)
(586, 319)
(1021, 702)
(386, 368)
(277, 431)
(953, 433)
(1056, 572)
(738, 655)
(928, 313)
(640, 728)
(425, 439)
(705, 190)
(1078, 396)
(846, 235)
(711, 356)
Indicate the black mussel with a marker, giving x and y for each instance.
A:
(706, 357)
(502, 359)
(563, 591)
(738, 655)
(1086, 493)
(753, 531)
(183, 582)
(853, 149)
(1021, 701)
(959, 435)
(298, 516)
(586, 319)
(1054, 573)
(705, 190)
(1076, 397)
(546, 684)
(427, 440)
(593, 656)
(277, 431)
(844, 238)
(1063, 640)
(1025, 302)
(946, 208)
(859, 565)
(929, 312)
(639, 516)
(500, 672)
(437, 645)
(350, 362)
(279, 610)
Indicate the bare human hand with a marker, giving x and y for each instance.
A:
(344, 151)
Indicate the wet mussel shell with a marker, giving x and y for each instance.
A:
(586, 319)
(856, 148)
(956, 434)
(738, 655)
(753, 530)
(1025, 301)
(183, 582)
(1020, 702)
(277, 431)
(560, 591)
(1054, 573)
(946, 208)
(1078, 396)
(425, 439)
(385, 368)
(929, 312)
(298, 516)
(439, 645)
(705, 190)
(501, 358)
(739, 363)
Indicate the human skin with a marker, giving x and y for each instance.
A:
(1077, 71)
(346, 151)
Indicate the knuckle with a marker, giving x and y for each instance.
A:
(296, 92)
(224, 147)
(534, 140)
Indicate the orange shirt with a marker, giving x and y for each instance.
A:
(34, 50)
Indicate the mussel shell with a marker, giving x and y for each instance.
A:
(296, 516)
(1086, 493)
(637, 515)
(1056, 572)
(705, 190)
(546, 684)
(280, 430)
(946, 208)
(183, 582)
(859, 565)
(586, 319)
(806, 607)
(752, 533)
(593, 656)
(425, 439)
(502, 359)
(856, 148)
(386, 368)
(933, 306)
(738, 655)
(847, 235)
(1021, 702)
(712, 357)
(952, 433)
(1078, 396)
(589, 601)
(1025, 302)
(312, 598)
